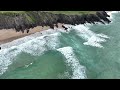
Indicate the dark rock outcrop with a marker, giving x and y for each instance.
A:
(64, 27)
(32, 19)
(102, 15)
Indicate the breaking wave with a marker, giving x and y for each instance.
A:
(89, 36)
(77, 69)
(30, 44)
(36, 44)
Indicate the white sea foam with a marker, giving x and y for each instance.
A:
(89, 36)
(77, 69)
(27, 38)
(33, 44)
(103, 35)
(6, 55)
(111, 14)
(37, 44)
(64, 75)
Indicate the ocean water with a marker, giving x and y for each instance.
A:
(84, 52)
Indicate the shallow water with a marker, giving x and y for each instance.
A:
(85, 51)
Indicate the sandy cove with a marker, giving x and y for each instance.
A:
(8, 35)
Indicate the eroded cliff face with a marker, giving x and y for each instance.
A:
(32, 19)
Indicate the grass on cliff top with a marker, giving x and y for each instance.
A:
(11, 13)
(31, 18)
(3, 12)
(54, 12)
(72, 12)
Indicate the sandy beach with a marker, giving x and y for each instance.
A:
(8, 35)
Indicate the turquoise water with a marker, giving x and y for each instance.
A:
(86, 51)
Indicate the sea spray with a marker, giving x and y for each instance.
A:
(28, 38)
(38, 43)
(33, 45)
(89, 36)
(111, 13)
(30, 44)
(77, 69)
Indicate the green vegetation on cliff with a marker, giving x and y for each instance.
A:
(28, 15)
(54, 12)
(72, 12)
(12, 11)
(21, 20)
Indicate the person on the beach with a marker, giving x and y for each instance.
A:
(0, 48)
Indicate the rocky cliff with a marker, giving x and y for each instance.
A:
(30, 19)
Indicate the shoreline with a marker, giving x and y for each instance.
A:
(9, 35)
